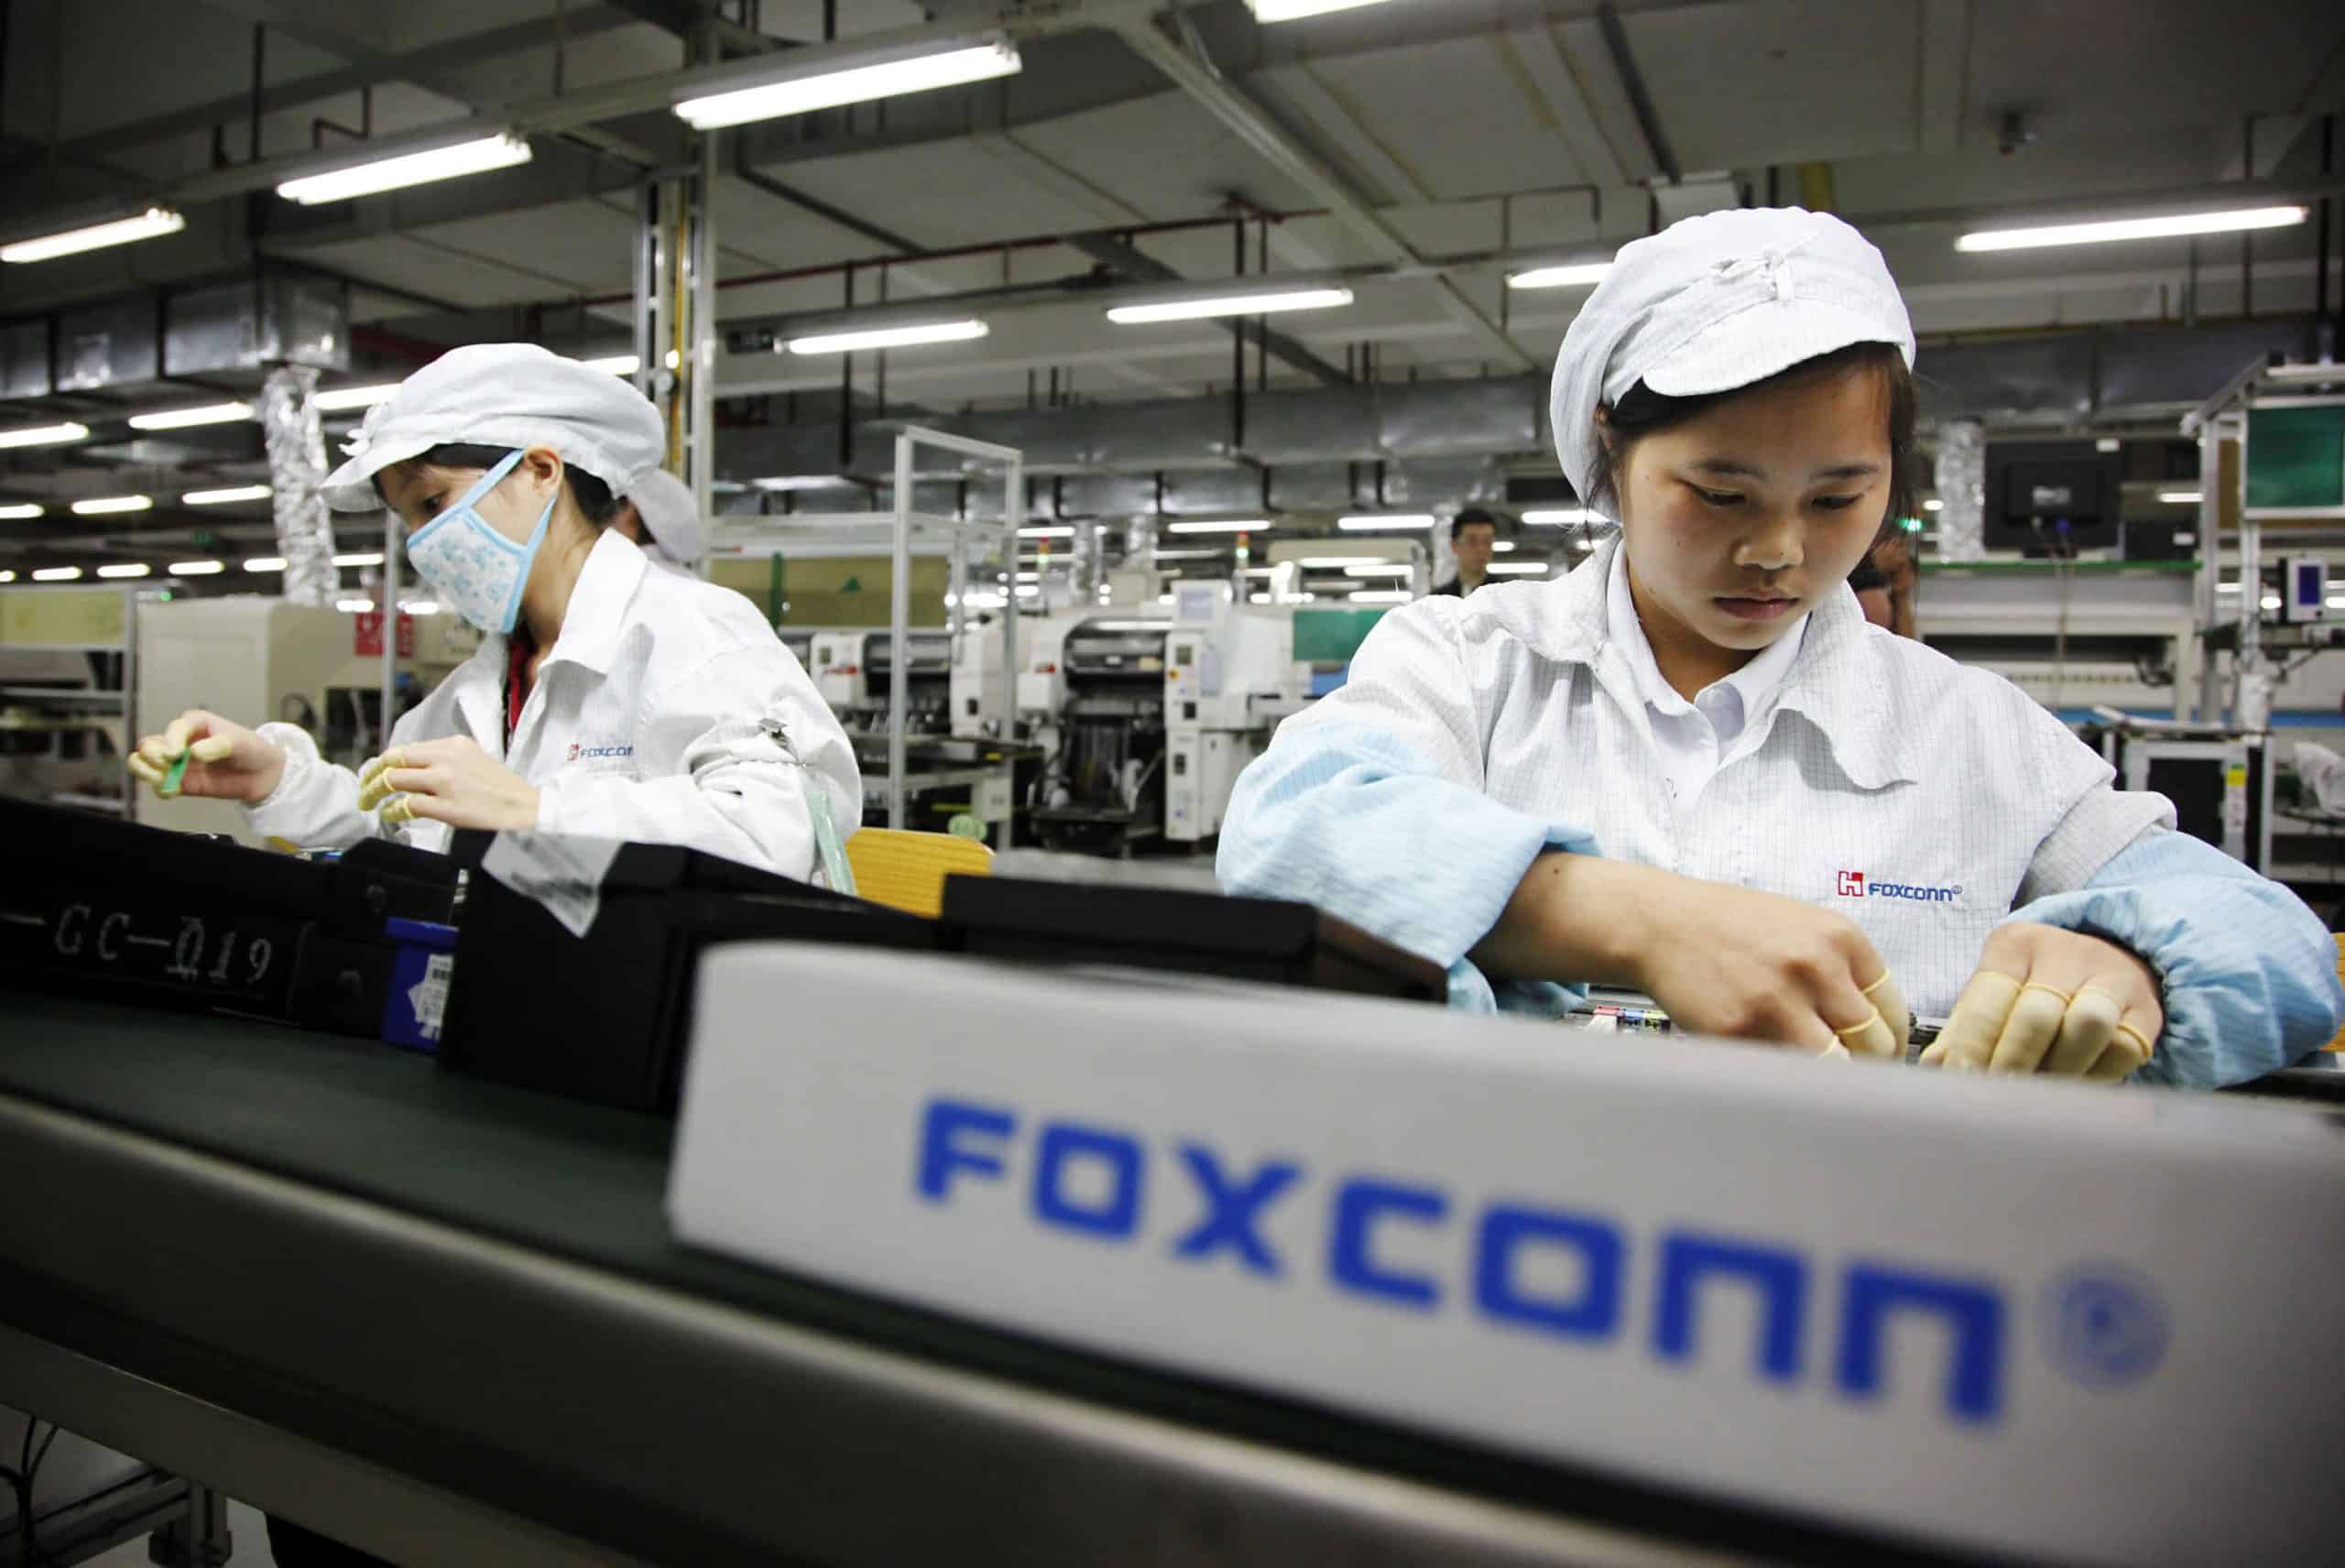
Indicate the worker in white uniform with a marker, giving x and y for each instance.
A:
(1691, 769)
(609, 699)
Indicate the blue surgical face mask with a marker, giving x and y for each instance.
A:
(473, 567)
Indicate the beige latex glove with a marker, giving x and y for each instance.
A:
(225, 760)
(2053, 1001)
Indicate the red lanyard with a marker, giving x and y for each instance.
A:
(519, 650)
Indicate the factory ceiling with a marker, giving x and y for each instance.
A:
(1419, 151)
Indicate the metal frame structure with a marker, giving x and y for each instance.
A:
(905, 534)
(2223, 417)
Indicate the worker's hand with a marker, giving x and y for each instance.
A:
(2047, 1000)
(226, 761)
(1727, 961)
(451, 780)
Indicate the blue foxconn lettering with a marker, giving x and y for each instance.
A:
(1100, 1182)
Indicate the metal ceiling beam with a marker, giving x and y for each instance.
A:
(415, 65)
(1203, 81)
(1141, 268)
(824, 210)
(1632, 82)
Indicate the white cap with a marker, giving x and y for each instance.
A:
(518, 396)
(1715, 302)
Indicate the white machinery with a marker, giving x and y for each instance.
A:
(257, 658)
(853, 671)
(1039, 689)
(1161, 715)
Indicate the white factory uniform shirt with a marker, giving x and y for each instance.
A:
(653, 719)
(1919, 797)
(1694, 737)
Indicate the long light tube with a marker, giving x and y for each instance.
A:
(1253, 302)
(44, 435)
(343, 398)
(1560, 517)
(198, 567)
(226, 497)
(184, 418)
(1288, 10)
(890, 337)
(265, 563)
(1575, 275)
(153, 223)
(1520, 569)
(2170, 226)
(21, 511)
(58, 574)
(104, 505)
(1371, 525)
(852, 85)
(127, 568)
(1255, 527)
(395, 173)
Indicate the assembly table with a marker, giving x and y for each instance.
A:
(445, 1320)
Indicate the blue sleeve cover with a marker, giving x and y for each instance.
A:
(1346, 816)
(2250, 975)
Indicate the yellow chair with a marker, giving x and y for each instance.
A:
(2338, 1043)
(907, 870)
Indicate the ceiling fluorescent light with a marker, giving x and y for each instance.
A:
(377, 175)
(198, 567)
(44, 435)
(1518, 568)
(127, 568)
(343, 398)
(1191, 554)
(1337, 562)
(2179, 498)
(787, 482)
(364, 557)
(1046, 533)
(1561, 518)
(354, 606)
(21, 511)
(1934, 505)
(1392, 570)
(8, 576)
(2170, 226)
(1254, 301)
(890, 337)
(1254, 526)
(812, 88)
(226, 497)
(1288, 10)
(1379, 596)
(615, 365)
(183, 418)
(265, 563)
(103, 505)
(153, 223)
(1575, 274)
(57, 574)
(1370, 524)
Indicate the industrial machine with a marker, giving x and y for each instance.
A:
(1161, 715)
(1038, 691)
(258, 658)
(851, 670)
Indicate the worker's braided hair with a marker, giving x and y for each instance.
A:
(1641, 412)
(595, 502)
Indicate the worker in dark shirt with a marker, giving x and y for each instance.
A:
(1473, 536)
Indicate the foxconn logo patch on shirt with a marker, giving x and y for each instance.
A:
(1858, 885)
(599, 753)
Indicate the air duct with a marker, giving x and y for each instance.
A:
(297, 469)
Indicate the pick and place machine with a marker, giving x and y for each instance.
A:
(955, 767)
(1160, 713)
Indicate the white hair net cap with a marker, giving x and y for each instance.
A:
(518, 396)
(1716, 302)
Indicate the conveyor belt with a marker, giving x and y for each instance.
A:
(501, 1312)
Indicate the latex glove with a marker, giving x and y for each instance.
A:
(451, 780)
(222, 760)
(1727, 961)
(2047, 1000)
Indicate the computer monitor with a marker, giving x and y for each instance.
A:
(2053, 498)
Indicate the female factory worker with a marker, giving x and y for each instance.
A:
(1692, 768)
(609, 699)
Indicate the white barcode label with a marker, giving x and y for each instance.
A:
(428, 997)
